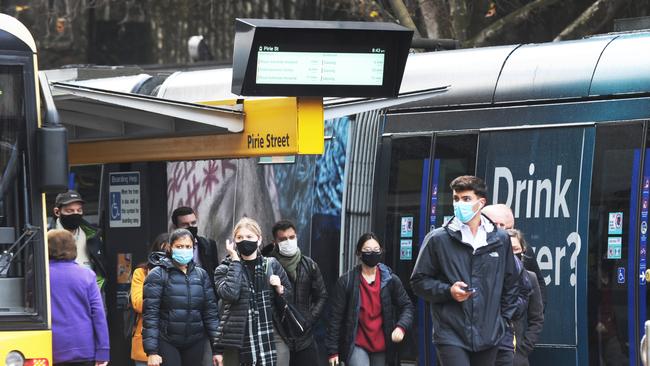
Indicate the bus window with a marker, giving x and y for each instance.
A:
(16, 255)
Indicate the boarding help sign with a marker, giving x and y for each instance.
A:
(543, 175)
(124, 199)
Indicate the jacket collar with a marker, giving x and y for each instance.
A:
(385, 273)
(453, 228)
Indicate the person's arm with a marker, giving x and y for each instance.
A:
(100, 327)
(404, 305)
(153, 291)
(425, 280)
(137, 288)
(535, 319)
(228, 280)
(209, 313)
(511, 277)
(277, 269)
(318, 293)
(338, 302)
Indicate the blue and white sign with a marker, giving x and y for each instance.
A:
(615, 223)
(543, 175)
(614, 247)
(620, 275)
(124, 199)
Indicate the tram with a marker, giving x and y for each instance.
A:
(559, 131)
(33, 161)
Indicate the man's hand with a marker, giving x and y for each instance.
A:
(274, 281)
(457, 292)
(154, 360)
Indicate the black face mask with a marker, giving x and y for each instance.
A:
(70, 222)
(370, 259)
(194, 230)
(246, 247)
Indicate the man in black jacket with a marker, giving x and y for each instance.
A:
(502, 216)
(205, 250)
(309, 292)
(68, 215)
(467, 273)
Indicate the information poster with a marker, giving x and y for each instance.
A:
(124, 199)
(406, 249)
(615, 223)
(407, 227)
(614, 247)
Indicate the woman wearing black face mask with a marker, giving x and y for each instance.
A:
(249, 287)
(371, 311)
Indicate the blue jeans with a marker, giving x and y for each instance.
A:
(140, 363)
(361, 357)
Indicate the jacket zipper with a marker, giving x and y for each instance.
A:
(189, 304)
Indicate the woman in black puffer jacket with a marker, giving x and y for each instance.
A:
(251, 288)
(370, 311)
(180, 308)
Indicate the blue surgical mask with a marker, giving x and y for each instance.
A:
(182, 256)
(464, 211)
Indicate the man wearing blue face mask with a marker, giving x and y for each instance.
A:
(466, 272)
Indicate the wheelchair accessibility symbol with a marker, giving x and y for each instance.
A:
(116, 206)
(620, 275)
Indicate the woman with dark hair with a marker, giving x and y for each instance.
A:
(370, 311)
(251, 289)
(180, 308)
(159, 245)
(79, 329)
(529, 326)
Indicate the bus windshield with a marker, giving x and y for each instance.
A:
(16, 259)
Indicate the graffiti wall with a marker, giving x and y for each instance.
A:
(223, 191)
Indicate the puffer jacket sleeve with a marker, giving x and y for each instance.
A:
(153, 291)
(511, 278)
(284, 279)
(228, 279)
(535, 317)
(137, 289)
(209, 312)
(403, 302)
(424, 279)
(319, 292)
(338, 302)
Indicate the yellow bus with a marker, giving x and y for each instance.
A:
(33, 161)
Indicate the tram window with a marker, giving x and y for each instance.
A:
(613, 170)
(16, 263)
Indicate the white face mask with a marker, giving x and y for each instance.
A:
(288, 248)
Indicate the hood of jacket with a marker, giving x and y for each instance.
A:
(160, 259)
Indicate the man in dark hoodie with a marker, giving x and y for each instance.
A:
(466, 272)
(68, 215)
(309, 292)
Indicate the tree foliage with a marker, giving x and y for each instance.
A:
(156, 31)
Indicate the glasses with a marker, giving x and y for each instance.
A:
(372, 251)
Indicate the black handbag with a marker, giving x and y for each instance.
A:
(294, 324)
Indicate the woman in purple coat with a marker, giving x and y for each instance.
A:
(79, 330)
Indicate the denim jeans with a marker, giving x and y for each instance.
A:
(361, 357)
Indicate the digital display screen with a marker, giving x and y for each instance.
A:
(320, 68)
(273, 57)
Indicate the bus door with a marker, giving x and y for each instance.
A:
(414, 177)
(620, 193)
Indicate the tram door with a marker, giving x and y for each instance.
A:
(414, 198)
(617, 244)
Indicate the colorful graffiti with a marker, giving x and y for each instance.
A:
(223, 191)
